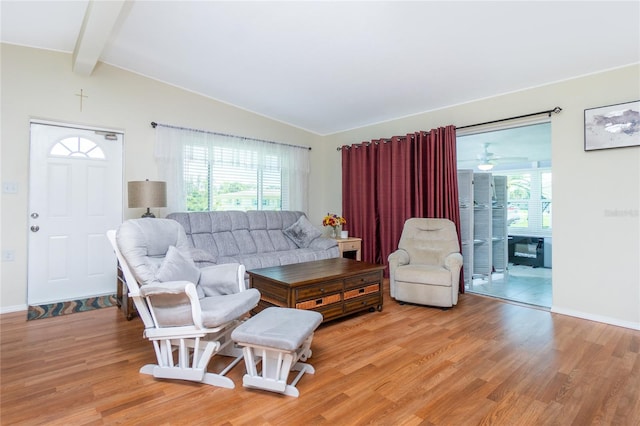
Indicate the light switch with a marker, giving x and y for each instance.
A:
(8, 255)
(10, 187)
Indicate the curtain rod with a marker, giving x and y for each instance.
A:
(367, 143)
(154, 125)
(555, 110)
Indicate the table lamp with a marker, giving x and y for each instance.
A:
(147, 194)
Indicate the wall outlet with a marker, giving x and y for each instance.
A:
(8, 255)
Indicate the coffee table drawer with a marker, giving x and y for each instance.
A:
(319, 290)
(331, 311)
(362, 291)
(360, 303)
(322, 301)
(361, 280)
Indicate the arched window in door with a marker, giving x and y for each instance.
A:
(77, 147)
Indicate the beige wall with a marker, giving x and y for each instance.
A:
(596, 254)
(596, 272)
(40, 84)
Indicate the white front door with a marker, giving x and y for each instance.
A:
(75, 196)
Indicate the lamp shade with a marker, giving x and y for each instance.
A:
(485, 167)
(147, 194)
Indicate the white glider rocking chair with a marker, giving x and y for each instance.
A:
(188, 313)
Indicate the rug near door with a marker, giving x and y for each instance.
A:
(70, 307)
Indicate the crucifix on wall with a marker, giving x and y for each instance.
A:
(81, 95)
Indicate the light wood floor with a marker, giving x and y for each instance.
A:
(482, 362)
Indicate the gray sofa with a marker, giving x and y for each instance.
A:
(256, 239)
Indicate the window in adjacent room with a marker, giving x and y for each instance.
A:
(529, 201)
(519, 196)
(545, 199)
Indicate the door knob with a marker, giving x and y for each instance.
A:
(35, 228)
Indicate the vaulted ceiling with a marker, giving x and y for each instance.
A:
(332, 66)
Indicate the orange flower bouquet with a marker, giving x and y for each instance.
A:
(333, 220)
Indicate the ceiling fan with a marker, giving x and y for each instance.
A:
(486, 160)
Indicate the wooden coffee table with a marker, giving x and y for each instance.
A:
(334, 287)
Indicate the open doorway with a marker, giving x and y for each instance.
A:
(521, 157)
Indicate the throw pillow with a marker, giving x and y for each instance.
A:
(176, 267)
(302, 232)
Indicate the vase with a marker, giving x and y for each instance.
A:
(334, 232)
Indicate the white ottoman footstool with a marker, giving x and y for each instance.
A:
(278, 338)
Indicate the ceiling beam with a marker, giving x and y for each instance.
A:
(99, 20)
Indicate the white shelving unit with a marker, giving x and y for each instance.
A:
(500, 240)
(465, 201)
(482, 224)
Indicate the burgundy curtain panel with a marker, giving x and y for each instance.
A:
(387, 181)
(359, 196)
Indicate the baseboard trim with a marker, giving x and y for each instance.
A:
(597, 318)
(14, 308)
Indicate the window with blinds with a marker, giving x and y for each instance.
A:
(529, 205)
(224, 178)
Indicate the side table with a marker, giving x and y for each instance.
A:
(350, 245)
(122, 297)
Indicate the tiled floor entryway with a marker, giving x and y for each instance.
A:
(519, 283)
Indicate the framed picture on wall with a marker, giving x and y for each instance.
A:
(613, 126)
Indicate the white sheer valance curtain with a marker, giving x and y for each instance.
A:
(172, 145)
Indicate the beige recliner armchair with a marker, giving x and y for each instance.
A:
(426, 267)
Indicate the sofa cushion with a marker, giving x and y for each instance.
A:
(200, 255)
(176, 267)
(260, 260)
(262, 240)
(300, 255)
(323, 244)
(280, 241)
(204, 242)
(245, 240)
(225, 243)
(200, 223)
(302, 232)
(273, 220)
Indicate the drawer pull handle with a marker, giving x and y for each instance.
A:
(361, 290)
(322, 290)
(319, 302)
